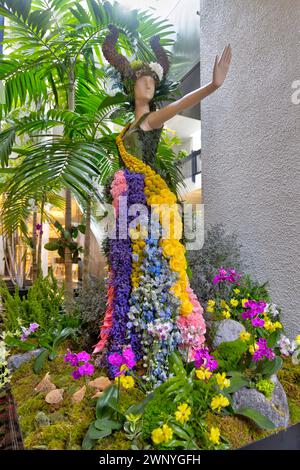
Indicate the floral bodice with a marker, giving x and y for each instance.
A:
(140, 143)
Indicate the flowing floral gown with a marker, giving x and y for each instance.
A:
(150, 305)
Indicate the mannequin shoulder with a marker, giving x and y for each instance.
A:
(145, 124)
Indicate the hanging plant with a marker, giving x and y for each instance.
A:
(67, 239)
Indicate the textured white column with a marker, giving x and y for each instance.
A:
(251, 139)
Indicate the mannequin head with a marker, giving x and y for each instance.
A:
(144, 89)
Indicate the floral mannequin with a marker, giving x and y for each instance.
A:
(151, 308)
(145, 88)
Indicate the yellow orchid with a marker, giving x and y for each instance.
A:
(218, 402)
(183, 413)
(214, 435)
(245, 335)
(127, 381)
(222, 381)
(203, 373)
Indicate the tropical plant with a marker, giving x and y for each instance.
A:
(57, 61)
(109, 417)
(66, 239)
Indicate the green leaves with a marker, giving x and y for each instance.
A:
(105, 424)
(269, 368)
(14, 342)
(106, 403)
(40, 361)
(262, 421)
(138, 408)
(237, 381)
(7, 138)
(176, 364)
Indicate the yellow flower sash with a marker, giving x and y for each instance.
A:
(164, 202)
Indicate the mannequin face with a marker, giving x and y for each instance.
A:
(144, 89)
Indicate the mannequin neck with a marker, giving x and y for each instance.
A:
(141, 109)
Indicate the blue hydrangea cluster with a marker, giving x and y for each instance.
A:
(151, 326)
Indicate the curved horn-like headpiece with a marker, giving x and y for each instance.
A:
(160, 53)
(112, 56)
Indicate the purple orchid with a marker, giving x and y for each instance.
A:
(263, 351)
(203, 358)
(257, 322)
(231, 276)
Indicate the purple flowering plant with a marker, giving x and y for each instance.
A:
(82, 363)
(26, 332)
(203, 358)
(123, 361)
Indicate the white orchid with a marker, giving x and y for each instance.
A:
(157, 68)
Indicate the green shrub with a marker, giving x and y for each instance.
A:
(266, 387)
(157, 411)
(229, 355)
(42, 305)
(219, 249)
(90, 305)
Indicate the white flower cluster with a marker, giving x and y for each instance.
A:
(288, 347)
(4, 371)
(271, 309)
(157, 68)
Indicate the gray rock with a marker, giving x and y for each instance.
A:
(276, 409)
(225, 330)
(16, 360)
(41, 419)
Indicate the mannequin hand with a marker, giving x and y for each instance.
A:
(221, 67)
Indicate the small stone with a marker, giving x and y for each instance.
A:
(42, 419)
(55, 396)
(45, 385)
(225, 330)
(16, 360)
(276, 409)
(78, 396)
(101, 383)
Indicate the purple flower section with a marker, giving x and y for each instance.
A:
(120, 259)
(263, 351)
(71, 358)
(254, 308)
(127, 359)
(230, 276)
(83, 356)
(257, 322)
(203, 358)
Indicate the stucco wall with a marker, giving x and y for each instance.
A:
(251, 138)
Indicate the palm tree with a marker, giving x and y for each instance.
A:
(57, 61)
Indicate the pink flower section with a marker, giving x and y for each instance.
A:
(107, 322)
(118, 188)
(192, 327)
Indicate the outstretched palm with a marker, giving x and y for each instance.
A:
(221, 67)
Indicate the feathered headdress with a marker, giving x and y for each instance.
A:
(131, 71)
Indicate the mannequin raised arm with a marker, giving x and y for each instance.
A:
(156, 119)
